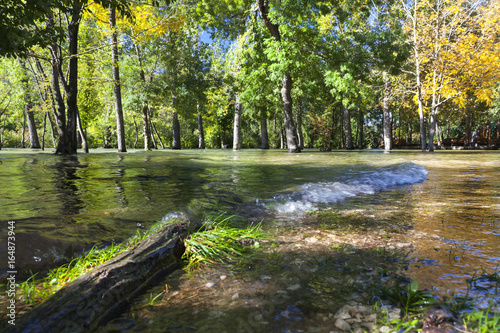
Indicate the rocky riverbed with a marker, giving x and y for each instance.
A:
(323, 275)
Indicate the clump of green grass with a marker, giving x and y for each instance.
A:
(219, 243)
(481, 321)
(410, 300)
(34, 290)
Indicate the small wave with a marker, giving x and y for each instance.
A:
(358, 182)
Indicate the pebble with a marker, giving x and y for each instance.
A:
(342, 325)
(294, 287)
(209, 284)
(355, 317)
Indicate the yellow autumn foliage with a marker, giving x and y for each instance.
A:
(459, 49)
(148, 23)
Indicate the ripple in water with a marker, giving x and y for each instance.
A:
(311, 195)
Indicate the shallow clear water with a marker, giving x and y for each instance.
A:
(63, 204)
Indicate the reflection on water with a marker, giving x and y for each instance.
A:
(64, 204)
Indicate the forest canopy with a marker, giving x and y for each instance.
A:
(239, 74)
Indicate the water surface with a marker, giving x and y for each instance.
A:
(63, 204)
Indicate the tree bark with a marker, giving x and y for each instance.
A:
(176, 128)
(291, 132)
(60, 114)
(387, 117)
(151, 129)
(264, 137)
(29, 116)
(436, 99)
(300, 133)
(96, 297)
(136, 132)
(237, 124)
(83, 137)
(120, 127)
(34, 143)
(145, 124)
(286, 89)
(201, 133)
(44, 129)
(361, 122)
(155, 131)
(347, 128)
(23, 128)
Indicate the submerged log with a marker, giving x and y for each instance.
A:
(104, 293)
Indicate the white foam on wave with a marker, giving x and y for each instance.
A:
(310, 195)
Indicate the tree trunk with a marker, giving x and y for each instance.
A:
(264, 137)
(333, 133)
(409, 140)
(145, 124)
(44, 129)
(361, 121)
(34, 143)
(136, 132)
(282, 140)
(28, 105)
(286, 89)
(102, 294)
(299, 126)
(151, 129)
(237, 124)
(48, 97)
(23, 128)
(436, 99)
(387, 117)
(68, 146)
(347, 128)
(60, 115)
(291, 132)
(176, 141)
(156, 132)
(83, 137)
(120, 127)
(201, 133)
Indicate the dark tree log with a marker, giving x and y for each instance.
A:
(103, 293)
